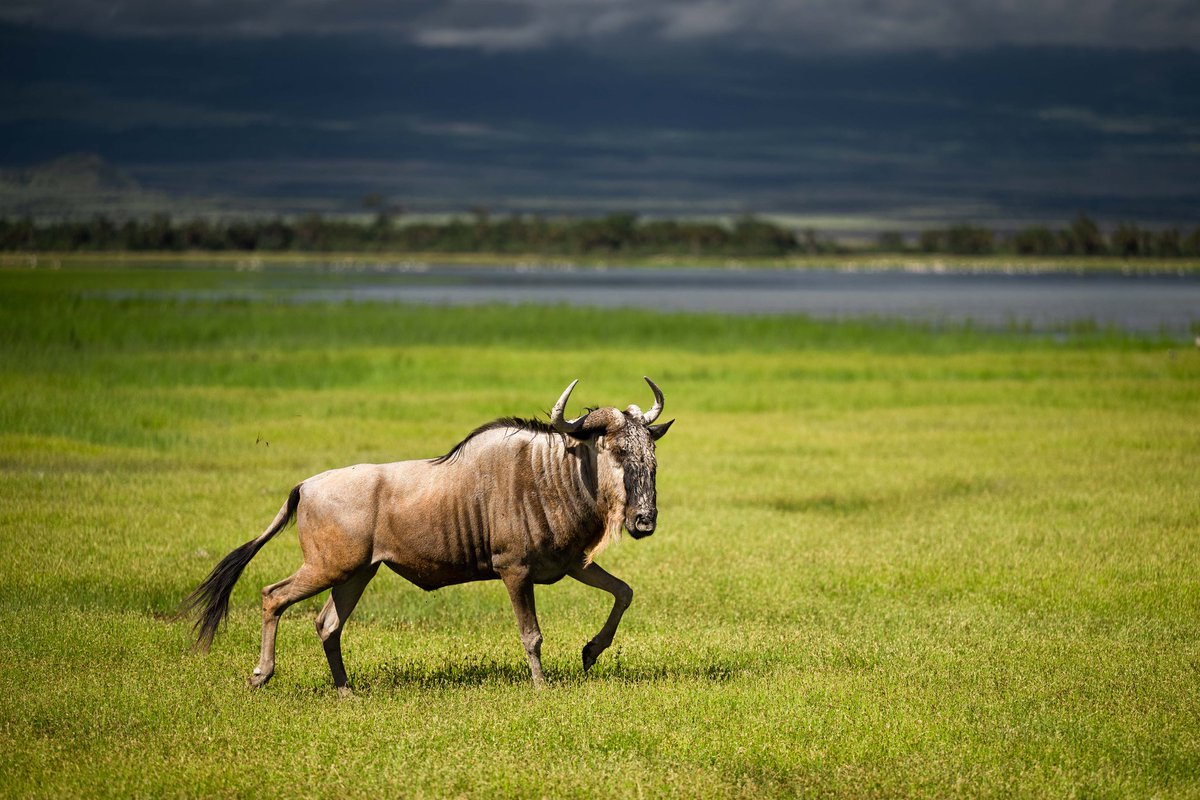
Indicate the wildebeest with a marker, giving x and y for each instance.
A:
(520, 500)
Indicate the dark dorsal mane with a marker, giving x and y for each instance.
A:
(516, 424)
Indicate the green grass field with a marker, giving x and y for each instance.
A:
(891, 561)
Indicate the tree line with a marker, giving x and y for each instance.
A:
(614, 234)
(1083, 237)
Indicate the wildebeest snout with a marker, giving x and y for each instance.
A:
(644, 523)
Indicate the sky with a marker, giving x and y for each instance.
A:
(896, 110)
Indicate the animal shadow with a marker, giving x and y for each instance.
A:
(483, 671)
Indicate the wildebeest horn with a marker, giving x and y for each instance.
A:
(556, 414)
(657, 408)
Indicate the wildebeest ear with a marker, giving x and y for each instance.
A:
(659, 431)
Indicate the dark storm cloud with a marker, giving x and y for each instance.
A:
(316, 122)
(787, 25)
(911, 110)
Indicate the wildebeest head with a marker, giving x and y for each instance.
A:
(625, 463)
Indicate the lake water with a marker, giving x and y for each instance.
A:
(1042, 301)
(1048, 301)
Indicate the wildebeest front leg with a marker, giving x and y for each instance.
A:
(342, 600)
(593, 575)
(520, 592)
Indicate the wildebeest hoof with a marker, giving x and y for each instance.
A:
(258, 679)
(591, 651)
(345, 692)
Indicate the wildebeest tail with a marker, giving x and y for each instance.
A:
(210, 601)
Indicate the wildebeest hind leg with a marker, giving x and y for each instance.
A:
(277, 597)
(338, 608)
(593, 575)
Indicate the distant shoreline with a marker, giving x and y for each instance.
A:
(849, 262)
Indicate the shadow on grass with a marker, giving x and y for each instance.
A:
(843, 504)
(479, 671)
(820, 504)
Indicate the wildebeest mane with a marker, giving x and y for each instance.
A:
(515, 424)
